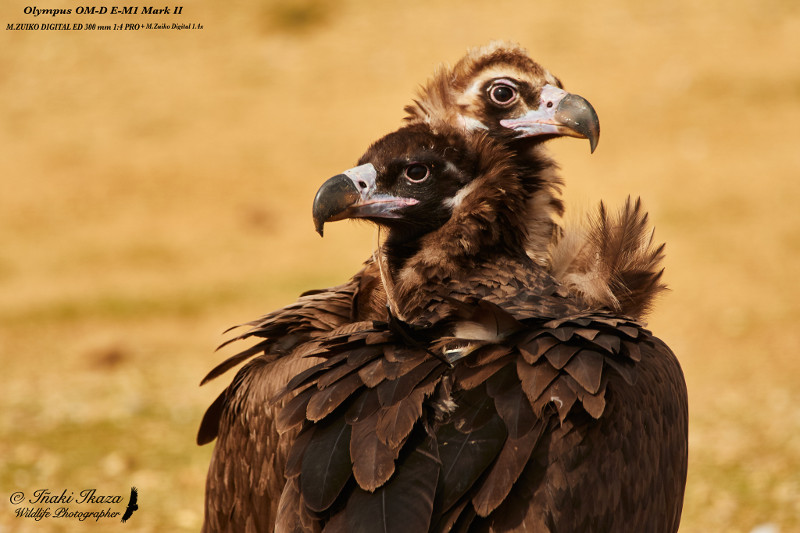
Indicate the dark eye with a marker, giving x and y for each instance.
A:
(417, 172)
(502, 94)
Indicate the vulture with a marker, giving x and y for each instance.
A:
(609, 267)
(489, 399)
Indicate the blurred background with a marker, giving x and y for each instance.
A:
(156, 189)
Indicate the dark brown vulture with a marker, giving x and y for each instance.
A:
(489, 399)
(608, 265)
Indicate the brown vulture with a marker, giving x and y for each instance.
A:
(610, 265)
(490, 399)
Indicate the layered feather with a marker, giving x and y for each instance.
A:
(484, 444)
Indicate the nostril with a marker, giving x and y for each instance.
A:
(362, 184)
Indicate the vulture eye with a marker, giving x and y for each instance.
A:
(417, 172)
(503, 94)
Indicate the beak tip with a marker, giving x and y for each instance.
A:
(319, 226)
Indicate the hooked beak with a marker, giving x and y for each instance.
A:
(352, 194)
(559, 113)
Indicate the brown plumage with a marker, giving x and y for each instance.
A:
(246, 471)
(490, 399)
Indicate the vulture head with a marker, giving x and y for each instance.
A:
(500, 89)
(403, 183)
(451, 193)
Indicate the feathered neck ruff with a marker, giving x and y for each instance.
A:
(489, 224)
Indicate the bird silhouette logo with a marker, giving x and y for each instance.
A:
(132, 505)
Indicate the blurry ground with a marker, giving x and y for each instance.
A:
(156, 188)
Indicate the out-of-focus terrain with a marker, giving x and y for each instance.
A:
(156, 189)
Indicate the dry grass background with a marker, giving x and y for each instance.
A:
(156, 188)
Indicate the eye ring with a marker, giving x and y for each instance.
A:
(416, 172)
(502, 93)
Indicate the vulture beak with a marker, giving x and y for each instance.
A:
(352, 194)
(559, 113)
